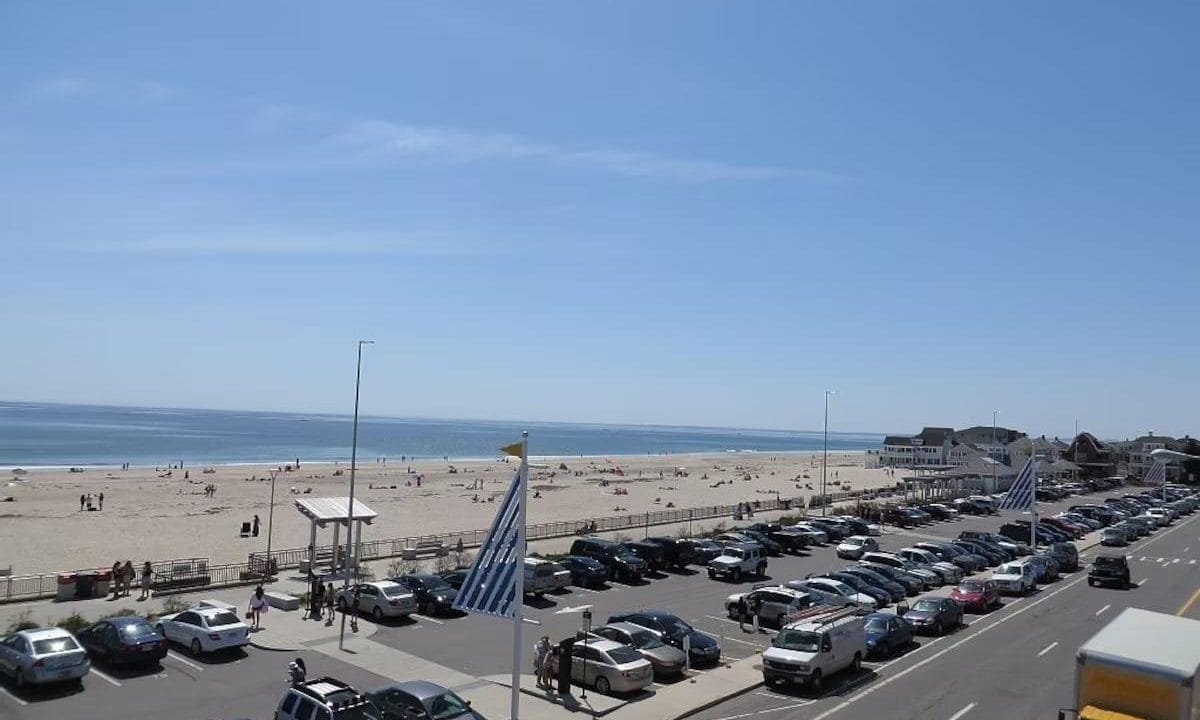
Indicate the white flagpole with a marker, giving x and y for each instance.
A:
(519, 575)
(1033, 506)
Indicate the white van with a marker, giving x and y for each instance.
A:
(808, 651)
(543, 576)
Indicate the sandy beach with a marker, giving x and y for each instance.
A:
(149, 515)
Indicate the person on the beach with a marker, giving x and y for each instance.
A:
(82, 500)
(101, 501)
(147, 575)
(258, 607)
(127, 576)
(254, 527)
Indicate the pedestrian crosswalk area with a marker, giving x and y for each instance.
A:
(1164, 561)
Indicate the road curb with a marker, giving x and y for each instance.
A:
(717, 701)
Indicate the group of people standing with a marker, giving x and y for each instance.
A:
(89, 501)
(321, 598)
(123, 577)
(545, 662)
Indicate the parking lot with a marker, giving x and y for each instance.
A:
(1012, 661)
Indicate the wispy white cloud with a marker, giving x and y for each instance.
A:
(382, 139)
(80, 87)
(276, 242)
(65, 87)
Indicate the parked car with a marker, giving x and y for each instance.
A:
(621, 564)
(935, 614)
(1114, 537)
(832, 530)
(1045, 566)
(676, 552)
(385, 598)
(773, 548)
(327, 698)
(205, 629)
(1109, 570)
(651, 553)
(127, 640)
(808, 651)
(929, 578)
(585, 572)
(1066, 554)
(949, 572)
(834, 592)
(1015, 577)
(991, 555)
(977, 595)
(896, 589)
(704, 549)
(610, 667)
(913, 585)
(774, 603)
(882, 597)
(703, 649)
(887, 633)
(420, 700)
(736, 561)
(41, 656)
(854, 546)
(456, 578)
(434, 595)
(666, 661)
(790, 539)
(540, 577)
(816, 536)
(966, 561)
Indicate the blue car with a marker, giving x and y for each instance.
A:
(887, 633)
(585, 572)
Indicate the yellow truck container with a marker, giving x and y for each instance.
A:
(1141, 666)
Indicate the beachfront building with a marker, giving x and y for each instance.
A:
(1139, 460)
(963, 454)
(984, 474)
(1048, 451)
(929, 447)
(1095, 459)
(993, 441)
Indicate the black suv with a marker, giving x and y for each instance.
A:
(677, 552)
(432, 593)
(1110, 569)
(790, 540)
(651, 553)
(621, 564)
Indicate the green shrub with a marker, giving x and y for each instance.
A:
(23, 621)
(74, 623)
(123, 612)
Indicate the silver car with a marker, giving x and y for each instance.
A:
(44, 655)
(610, 667)
(667, 661)
(379, 599)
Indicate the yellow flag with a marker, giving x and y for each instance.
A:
(514, 449)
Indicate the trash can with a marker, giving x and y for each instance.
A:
(103, 583)
(66, 586)
(84, 582)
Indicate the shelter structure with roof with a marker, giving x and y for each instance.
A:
(335, 511)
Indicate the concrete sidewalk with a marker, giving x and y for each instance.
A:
(698, 692)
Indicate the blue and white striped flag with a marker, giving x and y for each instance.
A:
(1021, 495)
(1157, 474)
(489, 587)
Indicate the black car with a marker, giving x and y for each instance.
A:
(835, 532)
(882, 597)
(1109, 570)
(651, 553)
(703, 549)
(1066, 554)
(935, 614)
(702, 649)
(585, 572)
(897, 590)
(677, 552)
(455, 578)
(126, 640)
(993, 556)
(936, 512)
(432, 593)
(620, 563)
(789, 540)
(772, 548)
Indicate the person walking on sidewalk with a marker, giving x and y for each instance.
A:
(258, 607)
(354, 609)
(147, 577)
(318, 601)
(541, 651)
(329, 604)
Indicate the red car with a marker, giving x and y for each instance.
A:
(1076, 531)
(977, 595)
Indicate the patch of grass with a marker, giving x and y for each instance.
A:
(23, 621)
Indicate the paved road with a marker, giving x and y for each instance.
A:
(233, 685)
(1017, 661)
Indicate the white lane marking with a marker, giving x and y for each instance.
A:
(18, 700)
(723, 619)
(105, 677)
(432, 620)
(1143, 581)
(588, 590)
(1048, 648)
(786, 707)
(1187, 548)
(185, 661)
(962, 712)
(1103, 609)
(1175, 561)
(744, 642)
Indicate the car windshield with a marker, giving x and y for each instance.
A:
(436, 583)
(624, 654)
(877, 624)
(925, 605)
(801, 640)
(398, 590)
(645, 640)
(222, 618)
(1009, 570)
(136, 630)
(53, 645)
(853, 541)
(1109, 561)
(971, 587)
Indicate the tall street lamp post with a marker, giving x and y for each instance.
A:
(350, 559)
(825, 458)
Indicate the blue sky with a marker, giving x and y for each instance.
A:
(693, 213)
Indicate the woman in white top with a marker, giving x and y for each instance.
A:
(258, 606)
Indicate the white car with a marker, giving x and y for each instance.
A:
(854, 546)
(205, 629)
(379, 599)
(1015, 577)
(828, 591)
(950, 572)
(816, 534)
(1162, 516)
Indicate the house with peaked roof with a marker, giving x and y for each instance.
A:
(994, 441)
(1094, 458)
(927, 448)
(963, 453)
(1140, 460)
(1019, 451)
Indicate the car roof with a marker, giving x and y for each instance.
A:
(385, 584)
(126, 620)
(626, 627)
(420, 689)
(43, 633)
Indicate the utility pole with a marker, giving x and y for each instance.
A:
(825, 459)
(350, 559)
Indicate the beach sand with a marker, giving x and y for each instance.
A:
(150, 517)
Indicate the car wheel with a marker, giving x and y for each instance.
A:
(377, 613)
(19, 678)
(602, 685)
(761, 569)
(737, 575)
(1091, 582)
(423, 607)
(342, 604)
(196, 648)
(816, 682)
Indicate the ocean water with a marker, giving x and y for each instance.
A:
(42, 434)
